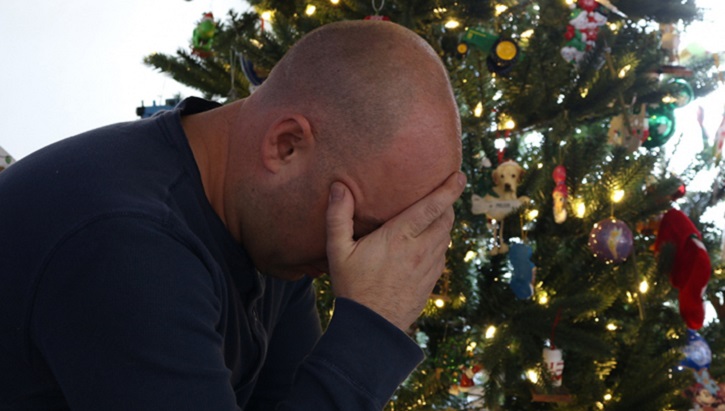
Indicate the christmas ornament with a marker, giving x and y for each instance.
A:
(611, 240)
(522, 279)
(467, 381)
(377, 16)
(502, 52)
(661, 125)
(700, 121)
(670, 41)
(560, 194)
(203, 37)
(679, 193)
(704, 400)
(554, 360)
(581, 33)
(719, 140)
(682, 91)
(255, 80)
(501, 200)
(631, 138)
(683, 256)
(706, 391)
(697, 352)
(554, 364)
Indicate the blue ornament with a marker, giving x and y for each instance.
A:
(697, 352)
(523, 275)
(611, 240)
(255, 80)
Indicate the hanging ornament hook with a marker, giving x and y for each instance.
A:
(377, 9)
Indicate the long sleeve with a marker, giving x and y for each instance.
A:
(357, 364)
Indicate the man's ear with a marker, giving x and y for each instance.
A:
(286, 139)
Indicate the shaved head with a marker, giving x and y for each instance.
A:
(357, 82)
(364, 103)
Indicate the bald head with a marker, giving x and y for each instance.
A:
(359, 82)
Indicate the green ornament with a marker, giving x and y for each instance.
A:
(661, 125)
(203, 36)
(681, 92)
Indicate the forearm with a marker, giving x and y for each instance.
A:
(357, 365)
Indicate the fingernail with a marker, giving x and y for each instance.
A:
(462, 179)
(337, 192)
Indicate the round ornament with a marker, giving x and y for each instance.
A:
(250, 73)
(661, 125)
(682, 92)
(611, 240)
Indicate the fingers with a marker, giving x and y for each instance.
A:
(340, 211)
(416, 219)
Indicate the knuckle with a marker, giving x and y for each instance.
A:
(432, 211)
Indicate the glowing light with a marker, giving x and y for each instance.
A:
(611, 327)
(478, 110)
(266, 15)
(509, 124)
(471, 346)
(470, 255)
(570, 2)
(668, 99)
(310, 10)
(532, 214)
(533, 376)
(540, 166)
(580, 209)
(439, 303)
(617, 195)
(499, 143)
(583, 92)
(528, 33)
(623, 72)
(335, 1)
(490, 332)
(643, 286)
(607, 397)
(452, 24)
(543, 298)
(500, 8)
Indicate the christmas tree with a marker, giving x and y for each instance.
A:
(565, 286)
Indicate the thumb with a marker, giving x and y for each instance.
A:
(340, 210)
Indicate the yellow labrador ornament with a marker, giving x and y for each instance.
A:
(501, 200)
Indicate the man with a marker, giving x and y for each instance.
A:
(166, 263)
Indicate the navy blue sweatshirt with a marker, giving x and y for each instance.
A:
(121, 289)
